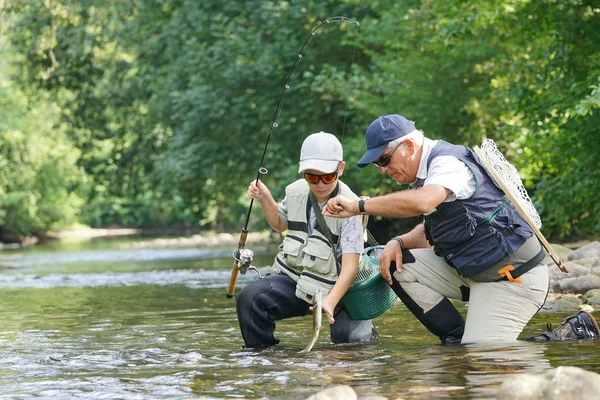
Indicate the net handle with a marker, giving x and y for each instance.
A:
(520, 209)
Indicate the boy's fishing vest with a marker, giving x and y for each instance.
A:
(309, 260)
(474, 234)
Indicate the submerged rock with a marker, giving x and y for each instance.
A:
(562, 383)
(340, 392)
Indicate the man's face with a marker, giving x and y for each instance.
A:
(398, 162)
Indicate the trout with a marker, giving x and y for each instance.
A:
(317, 313)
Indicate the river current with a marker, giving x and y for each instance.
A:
(103, 320)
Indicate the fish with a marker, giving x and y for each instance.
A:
(317, 314)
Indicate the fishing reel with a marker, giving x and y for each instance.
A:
(243, 259)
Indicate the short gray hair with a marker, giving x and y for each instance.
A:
(415, 136)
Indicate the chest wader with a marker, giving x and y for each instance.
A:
(309, 260)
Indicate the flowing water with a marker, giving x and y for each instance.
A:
(98, 320)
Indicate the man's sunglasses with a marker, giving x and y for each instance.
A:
(385, 159)
(326, 178)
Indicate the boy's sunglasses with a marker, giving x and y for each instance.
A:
(385, 159)
(326, 178)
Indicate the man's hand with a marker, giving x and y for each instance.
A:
(391, 252)
(341, 207)
(258, 190)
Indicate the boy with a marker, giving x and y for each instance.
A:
(308, 256)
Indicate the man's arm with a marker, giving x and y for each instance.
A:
(415, 239)
(406, 203)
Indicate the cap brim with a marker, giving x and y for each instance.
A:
(318, 165)
(371, 155)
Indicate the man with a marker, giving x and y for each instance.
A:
(472, 244)
(308, 256)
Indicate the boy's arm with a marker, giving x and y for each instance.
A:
(259, 191)
(343, 282)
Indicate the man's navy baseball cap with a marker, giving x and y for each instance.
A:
(381, 132)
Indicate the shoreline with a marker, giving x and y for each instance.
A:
(164, 238)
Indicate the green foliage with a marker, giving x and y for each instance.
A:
(523, 73)
(162, 108)
(38, 168)
(220, 94)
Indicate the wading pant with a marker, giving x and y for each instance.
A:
(497, 310)
(273, 298)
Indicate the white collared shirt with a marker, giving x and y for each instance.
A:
(446, 171)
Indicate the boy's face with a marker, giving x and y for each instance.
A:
(326, 181)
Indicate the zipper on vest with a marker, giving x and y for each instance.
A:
(492, 216)
(284, 265)
(295, 238)
(321, 239)
(318, 278)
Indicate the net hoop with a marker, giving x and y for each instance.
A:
(511, 179)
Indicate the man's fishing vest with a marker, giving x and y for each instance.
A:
(474, 234)
(309, 260)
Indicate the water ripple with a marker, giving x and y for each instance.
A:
(21, 260)
(195, 279)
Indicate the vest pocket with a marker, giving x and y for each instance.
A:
(318, 257)
(292, 246)
(309, 283)
(454, 225)
(486, 248)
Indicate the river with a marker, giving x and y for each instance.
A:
(99, 319)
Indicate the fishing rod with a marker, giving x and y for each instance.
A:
(242, 257)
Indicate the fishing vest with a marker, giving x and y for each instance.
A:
(310, 260)
(474, 234)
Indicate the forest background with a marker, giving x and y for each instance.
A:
(154, 114)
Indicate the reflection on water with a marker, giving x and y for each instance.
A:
(103, 324)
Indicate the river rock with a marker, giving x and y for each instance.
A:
(588, 261)
(561, 251)
(579, 285)
(562, 383)
(561, 302)
(595, 267)
(591, 250)
(592, 297)
(575, 270)
(340, 392)
(586, 307)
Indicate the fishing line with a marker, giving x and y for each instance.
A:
(243, 257)
(352, 90)
(275, 122)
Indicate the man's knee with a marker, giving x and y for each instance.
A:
(408, 264)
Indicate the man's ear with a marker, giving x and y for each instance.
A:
(407, 148)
